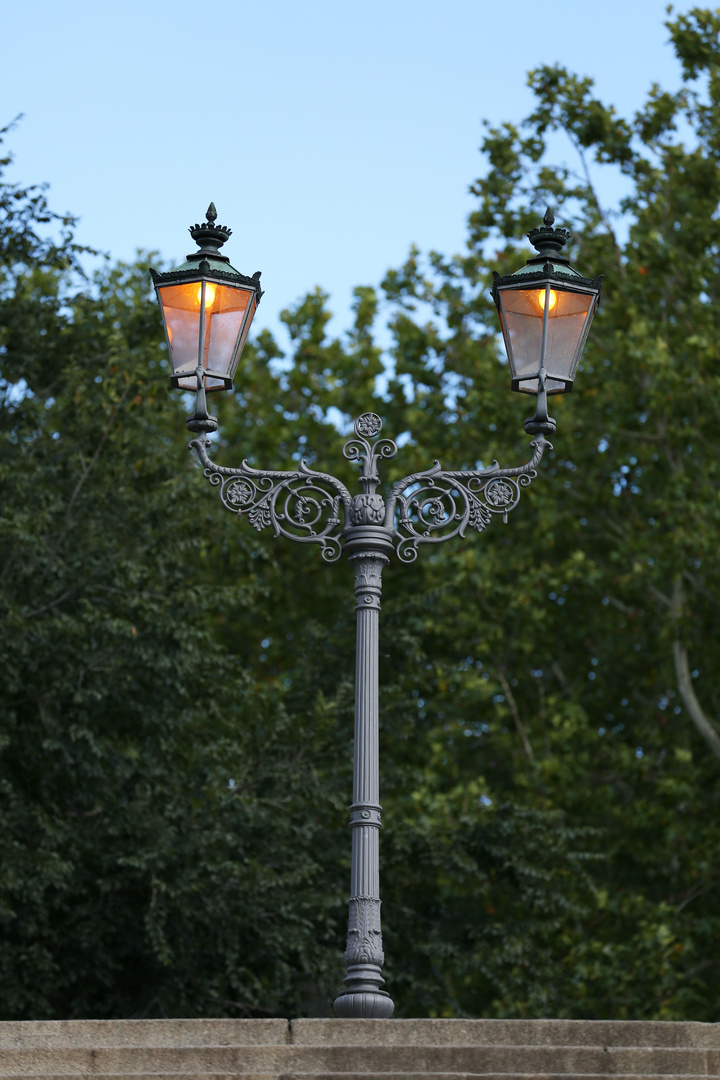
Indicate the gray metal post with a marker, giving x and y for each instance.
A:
(364, 956)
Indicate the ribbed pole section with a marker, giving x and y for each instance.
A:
(364, 953)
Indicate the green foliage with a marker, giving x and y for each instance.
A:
(550, 761)
(128, 859)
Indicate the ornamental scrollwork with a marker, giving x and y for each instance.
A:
(303, 505)
(366, 427)
(315, 508)
(436, 505)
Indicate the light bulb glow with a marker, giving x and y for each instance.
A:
(209, 294)
(541, 299)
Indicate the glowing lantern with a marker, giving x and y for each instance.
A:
(207, 309)
(545, 309)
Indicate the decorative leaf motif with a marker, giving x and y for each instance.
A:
(302, 509)
(479, 517)
(260, 517)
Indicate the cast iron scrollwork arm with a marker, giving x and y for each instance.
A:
(436, 505)
(302, 505)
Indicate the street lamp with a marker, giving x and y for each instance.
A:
(545, 312)
(207, 307)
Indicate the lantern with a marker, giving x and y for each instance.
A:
(207, 308)
(545, 309)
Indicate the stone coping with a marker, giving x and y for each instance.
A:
(118, 1034)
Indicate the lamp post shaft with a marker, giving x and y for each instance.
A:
(364, 957)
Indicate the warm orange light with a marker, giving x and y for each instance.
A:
(541, 299)
(209, 294)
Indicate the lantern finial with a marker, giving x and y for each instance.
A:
(549, 241)
(209, 237)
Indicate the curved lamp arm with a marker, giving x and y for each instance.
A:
(437, 505)
(424, 508)
(302, 505)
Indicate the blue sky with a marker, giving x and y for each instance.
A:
(330, 135)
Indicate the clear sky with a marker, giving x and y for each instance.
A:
(331, 135)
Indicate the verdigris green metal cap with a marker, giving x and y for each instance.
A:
(549, 244)
(207, 260)
(549, 262)
(210, 238)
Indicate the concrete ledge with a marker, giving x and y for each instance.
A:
(550, 1060)
(95, 1034)
(359, 1076)
(505, 1033)
(360, 1049)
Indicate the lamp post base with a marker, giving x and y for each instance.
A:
(364, 1005)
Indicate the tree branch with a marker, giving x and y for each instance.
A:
(594, 196)
(509, 697)
(685, 686)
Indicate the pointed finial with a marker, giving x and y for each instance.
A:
(209, 236)
(549, 241)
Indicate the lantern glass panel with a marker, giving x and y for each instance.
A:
(181, 311)
(252, 307)
(226, 307)
(569, 317)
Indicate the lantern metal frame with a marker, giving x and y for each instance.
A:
(203, 276)
(556, 283)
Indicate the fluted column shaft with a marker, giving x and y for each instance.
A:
(364, 953)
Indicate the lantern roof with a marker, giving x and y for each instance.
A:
(207, 260)
(550, 262)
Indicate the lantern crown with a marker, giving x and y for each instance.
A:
(550, 261)
(549, 242)
(209, 237)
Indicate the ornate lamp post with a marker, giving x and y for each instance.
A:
(545, 310)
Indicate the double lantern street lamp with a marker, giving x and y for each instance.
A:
(545, 310)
